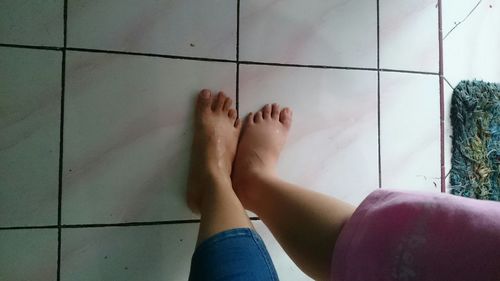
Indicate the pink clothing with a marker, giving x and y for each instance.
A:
(407, 236)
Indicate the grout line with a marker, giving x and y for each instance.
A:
(147, 54)
(48, 48)
(61, 139)
(408, 71)
(61, 145)
(99, 225)
(307, 65)
(378, 97)
(238, 31)
(441, 96)
(126, 224)
(29, 227)
(238, 58)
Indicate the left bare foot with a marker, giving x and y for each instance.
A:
(263, 137)
(214, 145)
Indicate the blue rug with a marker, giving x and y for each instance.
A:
(475, 160)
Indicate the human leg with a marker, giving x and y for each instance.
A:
(209, 185)
(227, 246)
(304, 222)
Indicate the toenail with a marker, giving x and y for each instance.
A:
(205, 94)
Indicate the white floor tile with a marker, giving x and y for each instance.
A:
(341, 33)
(147, 253)
(30, 94)
(36, 22)
(409, 35)
(332, 147)
(188, 28)
(28, 254)
(128, 130)
(410, 132)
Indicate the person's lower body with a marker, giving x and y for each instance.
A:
(390, 236)
(228, 248)
(305, 223)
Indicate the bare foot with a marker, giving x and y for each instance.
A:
(264, 135)
(214, 145)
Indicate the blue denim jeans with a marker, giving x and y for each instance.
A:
(235, 254)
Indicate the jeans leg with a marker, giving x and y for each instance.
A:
(235, 254)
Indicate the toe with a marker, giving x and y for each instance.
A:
(266, 111)
(204, 99)
(275, 112)
(258, 117)
(249, 119)
(227, 104)
(218, 104)
(286, 117)
(237, 124)
(232, 114)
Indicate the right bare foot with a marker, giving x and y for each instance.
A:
(214, 145)
(263, 136)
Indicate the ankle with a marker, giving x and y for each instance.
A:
(250, 187)
(209, 180)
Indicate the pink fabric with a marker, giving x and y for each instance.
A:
(419, 236)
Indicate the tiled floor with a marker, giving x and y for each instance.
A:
(98, 195)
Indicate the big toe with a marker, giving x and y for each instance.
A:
(286, 117)
(204, 100)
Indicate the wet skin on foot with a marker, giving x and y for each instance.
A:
(217, 130)
(263, 136)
